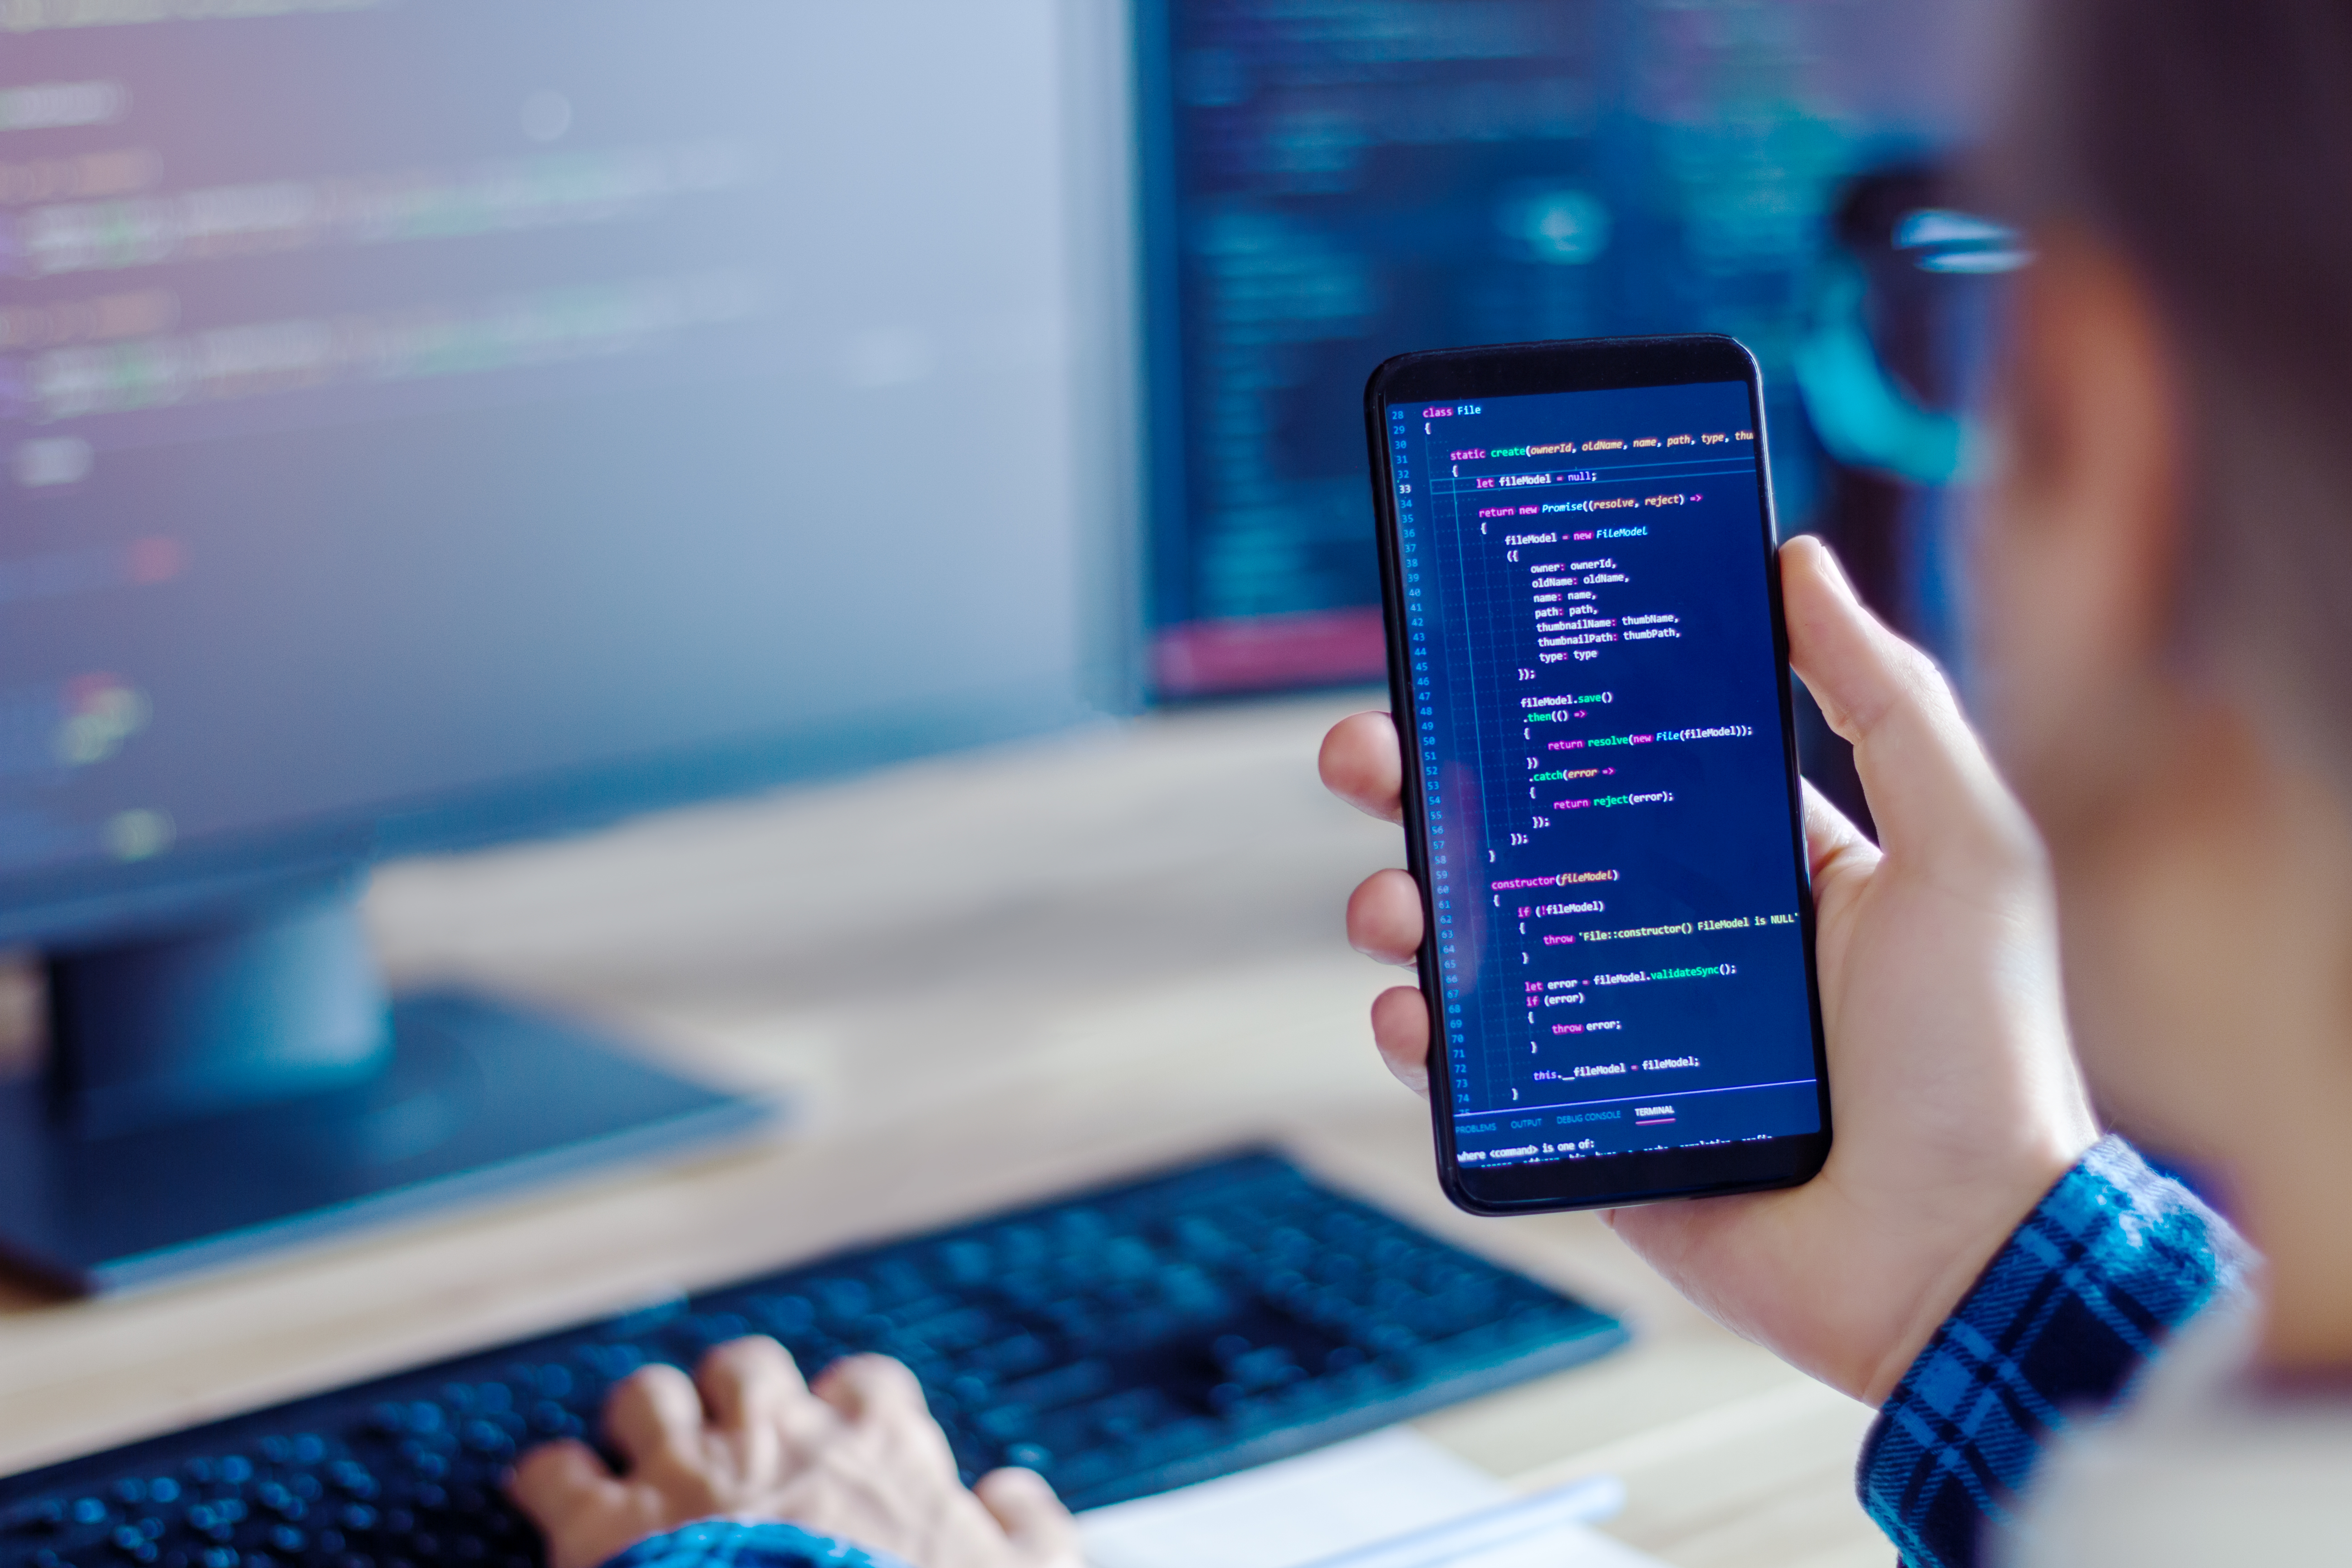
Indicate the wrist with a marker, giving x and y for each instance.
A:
(2110, 1261)
(1997, 1215)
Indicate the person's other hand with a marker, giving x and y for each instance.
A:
(1955, 1093)
(858, 1457)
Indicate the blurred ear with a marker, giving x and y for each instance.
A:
(2100, 431)
(2078, 564)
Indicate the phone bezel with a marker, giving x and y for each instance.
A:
(1595, 364)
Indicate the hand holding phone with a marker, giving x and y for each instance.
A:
(1601, 785)
(1959, 1101)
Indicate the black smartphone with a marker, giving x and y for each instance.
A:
(1589, 668)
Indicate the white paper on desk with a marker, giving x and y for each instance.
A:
(1350, 1495)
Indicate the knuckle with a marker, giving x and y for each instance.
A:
(1919, 681)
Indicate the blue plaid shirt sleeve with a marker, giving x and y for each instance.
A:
(735, 1543)
(2110, 1262)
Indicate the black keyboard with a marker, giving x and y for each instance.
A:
(1122, 1342)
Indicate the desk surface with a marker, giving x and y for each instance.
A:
(982, 978)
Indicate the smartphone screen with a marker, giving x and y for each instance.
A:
(1591, 680)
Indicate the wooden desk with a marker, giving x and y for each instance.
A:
(984, 978)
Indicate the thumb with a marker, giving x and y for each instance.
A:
(1042, 1532)
(1931, 788)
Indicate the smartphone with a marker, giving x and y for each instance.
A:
(1589, 668)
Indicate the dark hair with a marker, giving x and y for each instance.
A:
(2210, 142)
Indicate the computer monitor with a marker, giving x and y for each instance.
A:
(424, 422)
(1327, 184)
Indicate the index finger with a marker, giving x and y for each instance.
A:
(1361, 763)
(559, 1479)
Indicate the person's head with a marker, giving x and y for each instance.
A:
(2164, 579)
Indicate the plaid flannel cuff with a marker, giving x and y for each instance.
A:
(2113, 1259)
(735, 1543)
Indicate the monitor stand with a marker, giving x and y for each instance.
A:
(215, 1093)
